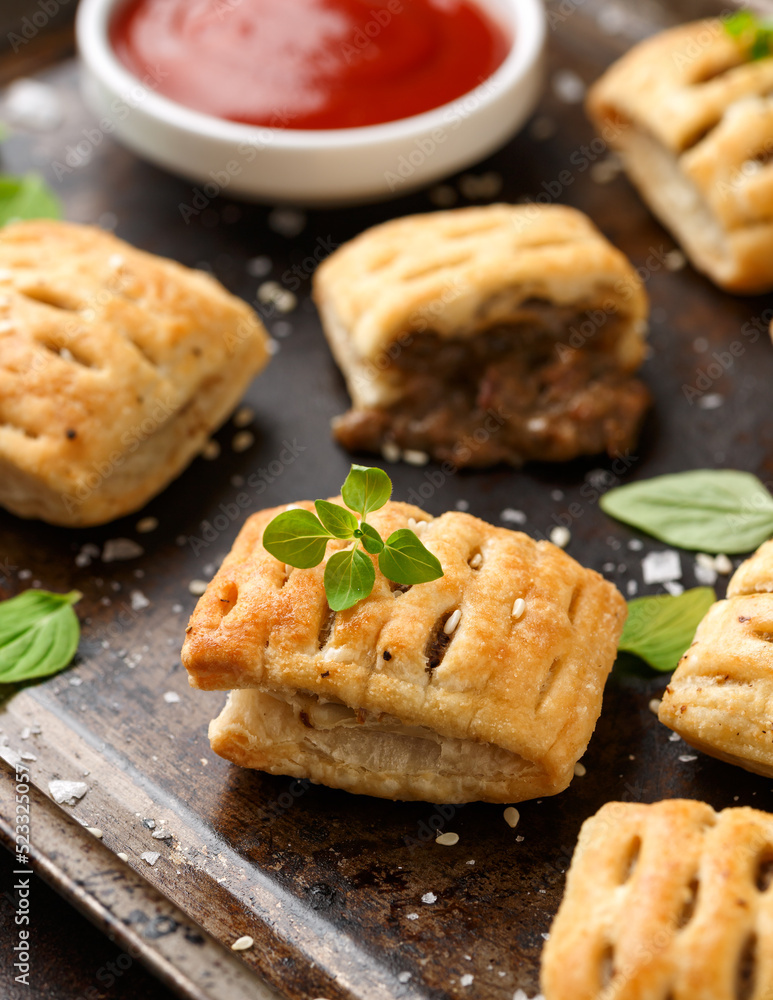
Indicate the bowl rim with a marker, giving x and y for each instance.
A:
(528, 31)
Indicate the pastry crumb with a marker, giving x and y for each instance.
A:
(243, 440)
(243, 416)
(150, 857)
(466, 980)
(429, 897)
(119, 549)
(560, 536)
(512, 817)
(414, 457)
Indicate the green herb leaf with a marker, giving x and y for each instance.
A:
(39, 634)
(27, 197)
(366, 489)
(339, 521)
(371, 540)
(753, 33)
(349, 577)
(707, 510)
(659, 629)
(296, 537)
(406, 560)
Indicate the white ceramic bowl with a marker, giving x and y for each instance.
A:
(313, 167)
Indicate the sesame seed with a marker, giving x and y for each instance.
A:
(580, 770)
(519, 606)
(453, 621)
(476, 561)
(242, 943)
(443, 195)
(687, 757)
(722, 564)
(511, 516)
(675, 260)
(390, 452)
(674, 737)
(243, 440)
(560, 536)
(122, 856)
(243, 416)
(94, 831)
(447, 839)
(414, 457)
(285, 301)
(268, 291)
(197, 587)
(411, 916)
(655, 705)
(512, 816)
(211, 450)
(146, 524)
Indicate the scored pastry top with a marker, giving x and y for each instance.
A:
(720, 698)
(530, 681)
(102, 344)
(696, 91)
(665, 900)
(459, 272)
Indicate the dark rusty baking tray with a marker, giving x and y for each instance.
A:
(326, 882)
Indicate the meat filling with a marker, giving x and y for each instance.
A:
(535, 389)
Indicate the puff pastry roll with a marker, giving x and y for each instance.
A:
(692, 117)
(670, 901)
(720, 698)
(388, 698)
(115, 367)
(486, 335)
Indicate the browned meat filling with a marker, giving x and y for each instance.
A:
(514, 393)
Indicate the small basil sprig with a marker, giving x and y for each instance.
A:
(659, 629)
(300, 539)
(707, 510)
(39, 634)
(27, 197)
(753, 33)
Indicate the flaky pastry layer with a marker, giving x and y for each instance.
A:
(115, 367)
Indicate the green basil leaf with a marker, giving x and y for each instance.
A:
(27, 197)
(371, 540)
(659, 629)
(39, 634)
(406, 560)
(349, 577)
(366, 489)
(739, 23)
(296, 537)
(709, 510)
(339, 521)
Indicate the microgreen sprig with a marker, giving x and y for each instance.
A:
(300, 538)
(754, 33)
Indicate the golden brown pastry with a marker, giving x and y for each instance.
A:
(485, 335)
(670, 901)
(692, 117)
(399, 696)
(115, 367)
(720, 698)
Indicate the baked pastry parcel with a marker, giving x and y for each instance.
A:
(692, 117)
(720, 698)
(485, 335)
(670, 901)
(387, 698)
(115, 367)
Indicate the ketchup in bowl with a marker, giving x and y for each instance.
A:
(310, 64)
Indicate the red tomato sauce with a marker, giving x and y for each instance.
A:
(310, 64)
